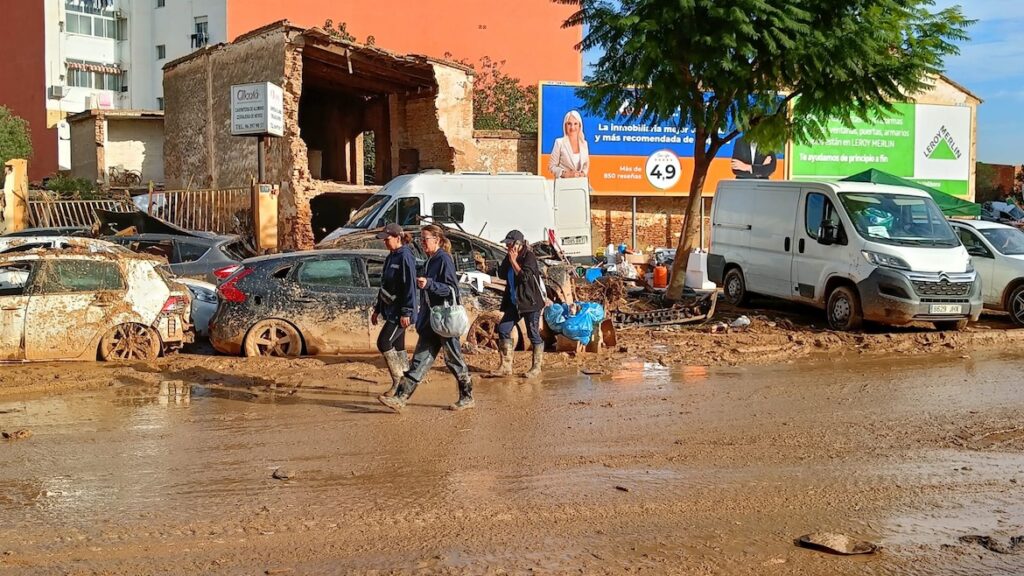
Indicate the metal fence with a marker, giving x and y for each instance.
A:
(226, 211)
(47, 212)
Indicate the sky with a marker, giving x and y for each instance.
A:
(990, 65)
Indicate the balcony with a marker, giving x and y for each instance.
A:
(200, 40)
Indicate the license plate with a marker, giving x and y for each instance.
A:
(946, 309)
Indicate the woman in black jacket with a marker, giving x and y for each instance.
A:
(523, 298)
(396, 301)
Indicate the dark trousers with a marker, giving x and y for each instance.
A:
(427, 348)
(391, 337)
(509, 320)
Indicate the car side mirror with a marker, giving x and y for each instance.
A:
(977, 251)
(827, 233)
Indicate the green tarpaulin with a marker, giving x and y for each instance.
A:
(950, 205)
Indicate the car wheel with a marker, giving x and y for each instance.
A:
(951, 325)
(273, 338)
(735, 287)
(483, 333)
(130, 342)
(1015, 305)
(843, 309)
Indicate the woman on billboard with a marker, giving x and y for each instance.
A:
(570, 157)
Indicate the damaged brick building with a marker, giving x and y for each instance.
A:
(337, 96)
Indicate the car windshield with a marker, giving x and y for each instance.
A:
(367, 213)
(900, 220)
(1009, 241)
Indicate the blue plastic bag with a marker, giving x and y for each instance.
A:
(592, 309)
(555, 316)
(579, 328)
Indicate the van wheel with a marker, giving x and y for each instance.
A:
(1015, 305)
(951, 325)
(735, 287)
(843, 309)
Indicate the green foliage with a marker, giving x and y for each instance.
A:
(77, 188)
(369, 158)
(985, 179)
(500, 101)
(15, 139)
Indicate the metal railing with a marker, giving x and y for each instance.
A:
(225, 211)
(45, 211)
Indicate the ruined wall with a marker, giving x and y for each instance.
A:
(83, 149)
(506, 151)
(440, 127)
(659, 221)
(199, 149)
(136, 144)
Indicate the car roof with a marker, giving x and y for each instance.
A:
(368, 252)
(208, 240)
(73, 254)
(981, 224)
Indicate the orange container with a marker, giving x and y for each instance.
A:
(660, 276)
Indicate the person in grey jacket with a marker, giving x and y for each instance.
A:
(438, 284)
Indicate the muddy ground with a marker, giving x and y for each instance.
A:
(681, 452)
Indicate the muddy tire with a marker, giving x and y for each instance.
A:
(1015, 305)
(272, 338)
(951, 325)
(843, 309)
(483, 332)
(130, 342)
(734, 286)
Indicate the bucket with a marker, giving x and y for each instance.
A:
(660, 276)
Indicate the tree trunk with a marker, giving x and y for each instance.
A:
(690, 237)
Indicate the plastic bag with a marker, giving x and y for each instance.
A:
(555, 315)
(579, 328)
(593, 309)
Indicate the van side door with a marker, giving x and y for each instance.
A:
(811, 260)
(572, 216)
(772, 226)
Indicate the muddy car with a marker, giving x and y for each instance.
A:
(77, 305)
(469, 252)
(312, 302)
(11, 244)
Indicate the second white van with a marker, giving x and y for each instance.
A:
(860, 251)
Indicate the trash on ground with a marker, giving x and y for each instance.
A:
(836, 543)
(17, 434)
(283, 474)
(1012, 545)
(740, 324)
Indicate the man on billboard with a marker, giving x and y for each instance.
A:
(749, 162)
(570, 156)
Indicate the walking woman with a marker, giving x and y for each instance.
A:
(523, 299)
(438, 284)
(396, 301)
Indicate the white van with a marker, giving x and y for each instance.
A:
(858, 250)
(487, 205)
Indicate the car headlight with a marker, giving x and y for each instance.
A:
(970, 264)
(885, 260)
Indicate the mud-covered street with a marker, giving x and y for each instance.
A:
(643, 468)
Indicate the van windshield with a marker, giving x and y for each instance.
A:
(898, 220)
(367, 213)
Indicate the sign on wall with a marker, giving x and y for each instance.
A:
(623, 157)
(926, 143)
(257, 110)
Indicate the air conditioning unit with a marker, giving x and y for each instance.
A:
(59, 92)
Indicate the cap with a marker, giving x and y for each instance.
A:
(513, 236)
(390, 230)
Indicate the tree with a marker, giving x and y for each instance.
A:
(15, 139)
(500, 102)
(771, 70)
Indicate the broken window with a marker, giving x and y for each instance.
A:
(14, 278)
(336, 273)
(73, 276)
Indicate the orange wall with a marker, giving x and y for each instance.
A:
(23, 79)
(527, 34)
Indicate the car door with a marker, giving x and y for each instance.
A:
(332, 299)
(15, 278)
(984, 259)
(811, 259)
(69, 304)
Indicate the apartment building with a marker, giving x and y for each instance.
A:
(69, 56)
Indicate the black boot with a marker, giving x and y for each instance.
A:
(397, 402)
(465, 394)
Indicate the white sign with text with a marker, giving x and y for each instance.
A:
(257, 110)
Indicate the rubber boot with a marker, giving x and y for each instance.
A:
(505, 352)
(465, 395)
(538, 362)
(397, 365)
(397, 402)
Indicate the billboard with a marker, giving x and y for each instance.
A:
(630, 158)
(927, 143)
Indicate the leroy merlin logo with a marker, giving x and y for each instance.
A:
(942, 146)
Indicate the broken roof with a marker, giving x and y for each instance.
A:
(130, 114)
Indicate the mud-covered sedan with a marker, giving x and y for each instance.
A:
(312, 302)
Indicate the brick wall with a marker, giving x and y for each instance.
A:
(659, 221)
(506, 151)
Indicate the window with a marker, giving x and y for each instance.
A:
(79, 24)
(191, 251)
(160, 3)
(161, 52)
(407, 211)
(973, 244)
(236, 250)
(338, 273)
(818, 209)
(91, 20)
(74, 276)
(1009, 241)
(94, 80)
(14, 277)
(449, 211)
(375, 270)
(202, 32)
(159, 103)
